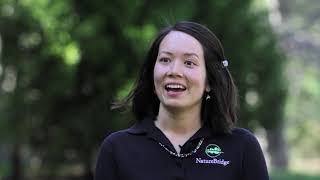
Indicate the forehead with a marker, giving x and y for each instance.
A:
(180, 42)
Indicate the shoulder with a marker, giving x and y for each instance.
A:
(111, 143)
(115, 137)
(106, 165)
(245, 136)
(242, 133)
(251, 147)
(125, 135)
(253, 162)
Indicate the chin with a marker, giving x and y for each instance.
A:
(174, 105)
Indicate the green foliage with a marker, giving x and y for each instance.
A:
(301, 33)
(4, 170)
(292, 176)
(69, 59)
(302, 111)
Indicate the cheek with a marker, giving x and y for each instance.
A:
(158, 74)
(198, 78)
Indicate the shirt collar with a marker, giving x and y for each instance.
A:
(203, 132)
(147, 126)
(141, 127)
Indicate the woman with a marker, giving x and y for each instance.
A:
(185, 105)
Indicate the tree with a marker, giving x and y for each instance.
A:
(77, 56)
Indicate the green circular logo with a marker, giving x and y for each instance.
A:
(213, 150)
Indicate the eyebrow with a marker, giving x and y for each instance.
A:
(185, 54)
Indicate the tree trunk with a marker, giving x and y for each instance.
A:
(88, 174)
(16, 173)
(277, 147)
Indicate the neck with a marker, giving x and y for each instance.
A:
(178, 121)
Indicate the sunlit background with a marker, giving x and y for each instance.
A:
(62, 62)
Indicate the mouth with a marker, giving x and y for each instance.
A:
(175, 87)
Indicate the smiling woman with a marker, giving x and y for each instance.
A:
(180, 74)
(185, 105)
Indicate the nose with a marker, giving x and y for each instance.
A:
(175, 68)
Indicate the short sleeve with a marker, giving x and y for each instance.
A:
(105, 166)
(254, 164)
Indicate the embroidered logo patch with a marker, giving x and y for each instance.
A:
(213, 150)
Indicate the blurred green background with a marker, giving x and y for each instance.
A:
(62, 62)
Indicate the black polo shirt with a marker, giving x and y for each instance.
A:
(135, 154)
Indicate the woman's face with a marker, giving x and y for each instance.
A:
(179, 72)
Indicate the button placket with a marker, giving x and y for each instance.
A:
(180, 169)
(179, 163)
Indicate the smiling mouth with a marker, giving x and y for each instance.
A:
(175, 87)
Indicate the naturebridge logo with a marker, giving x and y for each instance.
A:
(213, 150)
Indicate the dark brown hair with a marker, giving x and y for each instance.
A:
(218, 112)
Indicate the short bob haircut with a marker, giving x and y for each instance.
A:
(218, 112)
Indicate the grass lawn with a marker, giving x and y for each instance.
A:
(293, 176)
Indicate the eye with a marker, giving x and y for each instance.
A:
(190, 63)
(164, 60)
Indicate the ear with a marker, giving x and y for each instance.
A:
(208, 89)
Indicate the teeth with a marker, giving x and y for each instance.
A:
(175, 86)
